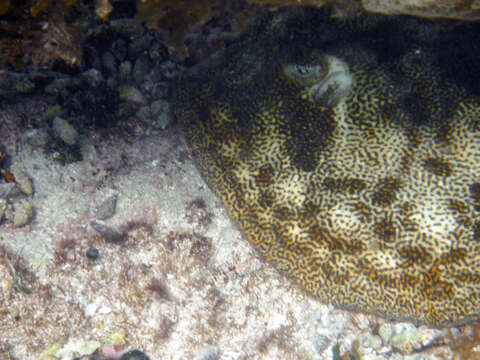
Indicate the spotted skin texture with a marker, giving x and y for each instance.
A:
(370, 204)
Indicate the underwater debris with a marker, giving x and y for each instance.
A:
(7, 176)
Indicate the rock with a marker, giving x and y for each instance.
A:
(8, 190)
(48, 353)
(405, 338)
(140, 69)
(125, 70)
(106, 209)
(58, 86)
(160, 110)
(12, 83)
(160, 90)
(116, 338)
(453, 9)
(23, 181)
(372, 341)
(109, 62)
(92, 253)
(112, 351)
(132, 94)
(144, 113)
(93, 77)
(65, 131)
(112, 83)
(110, 234)
(169, 69)
(23, 212)
(35, 137)
(77, 348)
(208, 353)
(148, 86)
(24, 85)
(129, 28)
(134, 355)
(119, 49)
(385, 331)
(158, 51)
(52, 112)
(138, 46)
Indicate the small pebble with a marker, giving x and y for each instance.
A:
(132, 94)
(110, 233)
(208, 353)
(93, 77)
(134, 355)
(112, 351)
(92, 253)
(385, 331)
(116, 338)
(169, 69)
(107, 209)
(406, 337)
(372, 341)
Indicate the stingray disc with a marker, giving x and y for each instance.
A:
(349, 160)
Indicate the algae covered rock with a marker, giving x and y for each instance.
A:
(349, 156)
(23, 212)
(65, 131)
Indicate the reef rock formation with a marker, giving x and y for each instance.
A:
(349, 154)
(462, 10)
(453, 9)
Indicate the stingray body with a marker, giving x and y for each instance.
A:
(349, 158)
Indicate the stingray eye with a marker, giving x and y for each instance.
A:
(303, 71)
(306, 70)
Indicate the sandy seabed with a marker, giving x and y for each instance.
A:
(179, 280)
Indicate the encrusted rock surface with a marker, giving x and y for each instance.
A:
(451, 9)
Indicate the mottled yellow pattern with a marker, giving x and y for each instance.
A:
(368, 198)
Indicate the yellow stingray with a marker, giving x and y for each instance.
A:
(356, 174)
